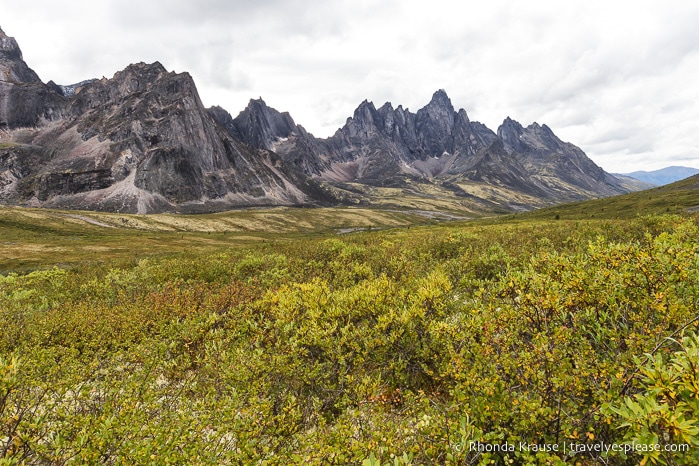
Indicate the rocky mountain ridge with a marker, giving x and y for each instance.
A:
(142, 141)
(381, 146)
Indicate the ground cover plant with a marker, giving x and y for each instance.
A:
(446, 344)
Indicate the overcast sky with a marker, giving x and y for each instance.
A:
(620, 79)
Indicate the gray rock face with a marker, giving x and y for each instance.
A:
(510, 133)
(434, 124)
(13, 68)
(24, 99)
(263, 127)
(556, 165)
(139, 142)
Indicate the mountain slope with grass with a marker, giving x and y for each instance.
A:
(680, 197)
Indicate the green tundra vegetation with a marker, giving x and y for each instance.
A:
(533, 341)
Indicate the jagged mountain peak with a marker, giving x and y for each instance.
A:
(440, 100)
(9, 46)
(24, 99)
(546, 135)
(541, 137)
(541, 129)
(259, 125)
(510, 128)
(258, 103)
(435, 124)
(364, 107)
(260, 107)
(510, 124)
(137, 81)
(143, 66)
(145, 72)
(386, 108)
(13, 69)
(510, 132)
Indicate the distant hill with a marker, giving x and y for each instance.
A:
(633, 184)
(664, 175)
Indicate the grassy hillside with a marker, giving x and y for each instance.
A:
(268, 337)
(676, 198)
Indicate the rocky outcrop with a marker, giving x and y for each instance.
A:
(13, 69)
(261, 126)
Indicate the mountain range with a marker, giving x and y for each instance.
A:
(663, 176)
(143, 142)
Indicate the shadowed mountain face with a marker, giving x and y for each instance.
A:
(143, 142)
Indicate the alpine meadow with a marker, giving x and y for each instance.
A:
(396, 346)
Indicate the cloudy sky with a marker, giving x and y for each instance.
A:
(620, 79)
